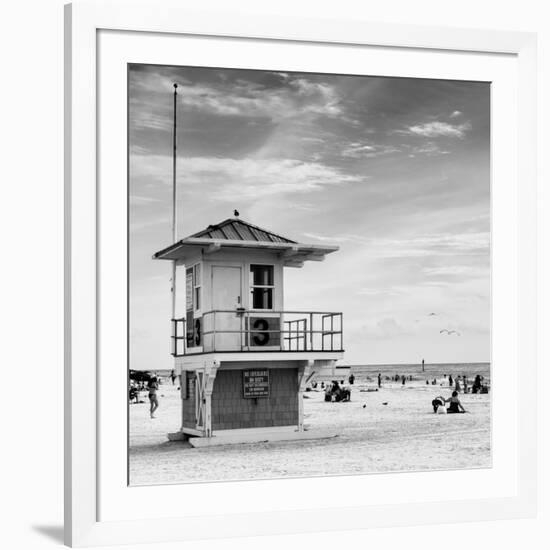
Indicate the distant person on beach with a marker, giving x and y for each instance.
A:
(457, 384)
(477, 384)
(455, 406)
(450, 381)
(379, 380)
(351, 378)
(153, 387)
(403, 380)
(134, 394)
(172, 376)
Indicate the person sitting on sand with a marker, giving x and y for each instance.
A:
(153, 387)
(438, 402)
(455, 406)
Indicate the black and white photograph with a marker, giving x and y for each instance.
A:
(309, 274)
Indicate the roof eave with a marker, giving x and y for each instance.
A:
(170, 253)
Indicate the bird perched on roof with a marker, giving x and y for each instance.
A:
(236, 213)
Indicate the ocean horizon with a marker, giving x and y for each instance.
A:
(431, 370)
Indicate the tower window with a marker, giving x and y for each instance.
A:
(197, 286)
(261, 277)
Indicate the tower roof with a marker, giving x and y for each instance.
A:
(235, 233)
(235, 229)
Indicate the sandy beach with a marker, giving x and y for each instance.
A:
(402, 435)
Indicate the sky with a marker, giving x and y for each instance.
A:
(395, 171)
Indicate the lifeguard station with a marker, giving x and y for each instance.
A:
(243, 360)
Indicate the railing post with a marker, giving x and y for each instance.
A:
(341, 331)
(282, 335)
(174, 332)
(214, 332)
(248, 329)
(241, 333)
(311, 331)
(184, 334)
(332, 332)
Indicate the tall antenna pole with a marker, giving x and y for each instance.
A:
(174, 195)
(174, 217)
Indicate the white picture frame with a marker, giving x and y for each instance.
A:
(85, 451)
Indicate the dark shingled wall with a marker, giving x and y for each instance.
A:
(188, 405)
(231, 410)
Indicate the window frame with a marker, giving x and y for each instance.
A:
(197, 286)
(254, 286)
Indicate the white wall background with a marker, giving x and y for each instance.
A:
(31, 206)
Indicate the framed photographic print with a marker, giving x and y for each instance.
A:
(299, 262)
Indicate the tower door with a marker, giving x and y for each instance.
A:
(226, 296)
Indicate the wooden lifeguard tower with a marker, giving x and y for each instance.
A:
(243, 360)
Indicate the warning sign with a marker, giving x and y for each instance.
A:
(255, 383)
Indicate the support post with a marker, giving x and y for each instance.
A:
(303, 373)
(210, 372)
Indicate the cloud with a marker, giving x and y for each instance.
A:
(451, 270)
(437, 129)
(443, 244)
(296, 97)
(370, 291)
(367, 150)
(429, 149)
(250, 99)
(247, 178)
(455, 114)
(387, 328)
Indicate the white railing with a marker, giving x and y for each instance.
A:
(258, 330)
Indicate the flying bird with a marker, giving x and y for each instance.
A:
(430, 314)
(236, 213)
(449, 332)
